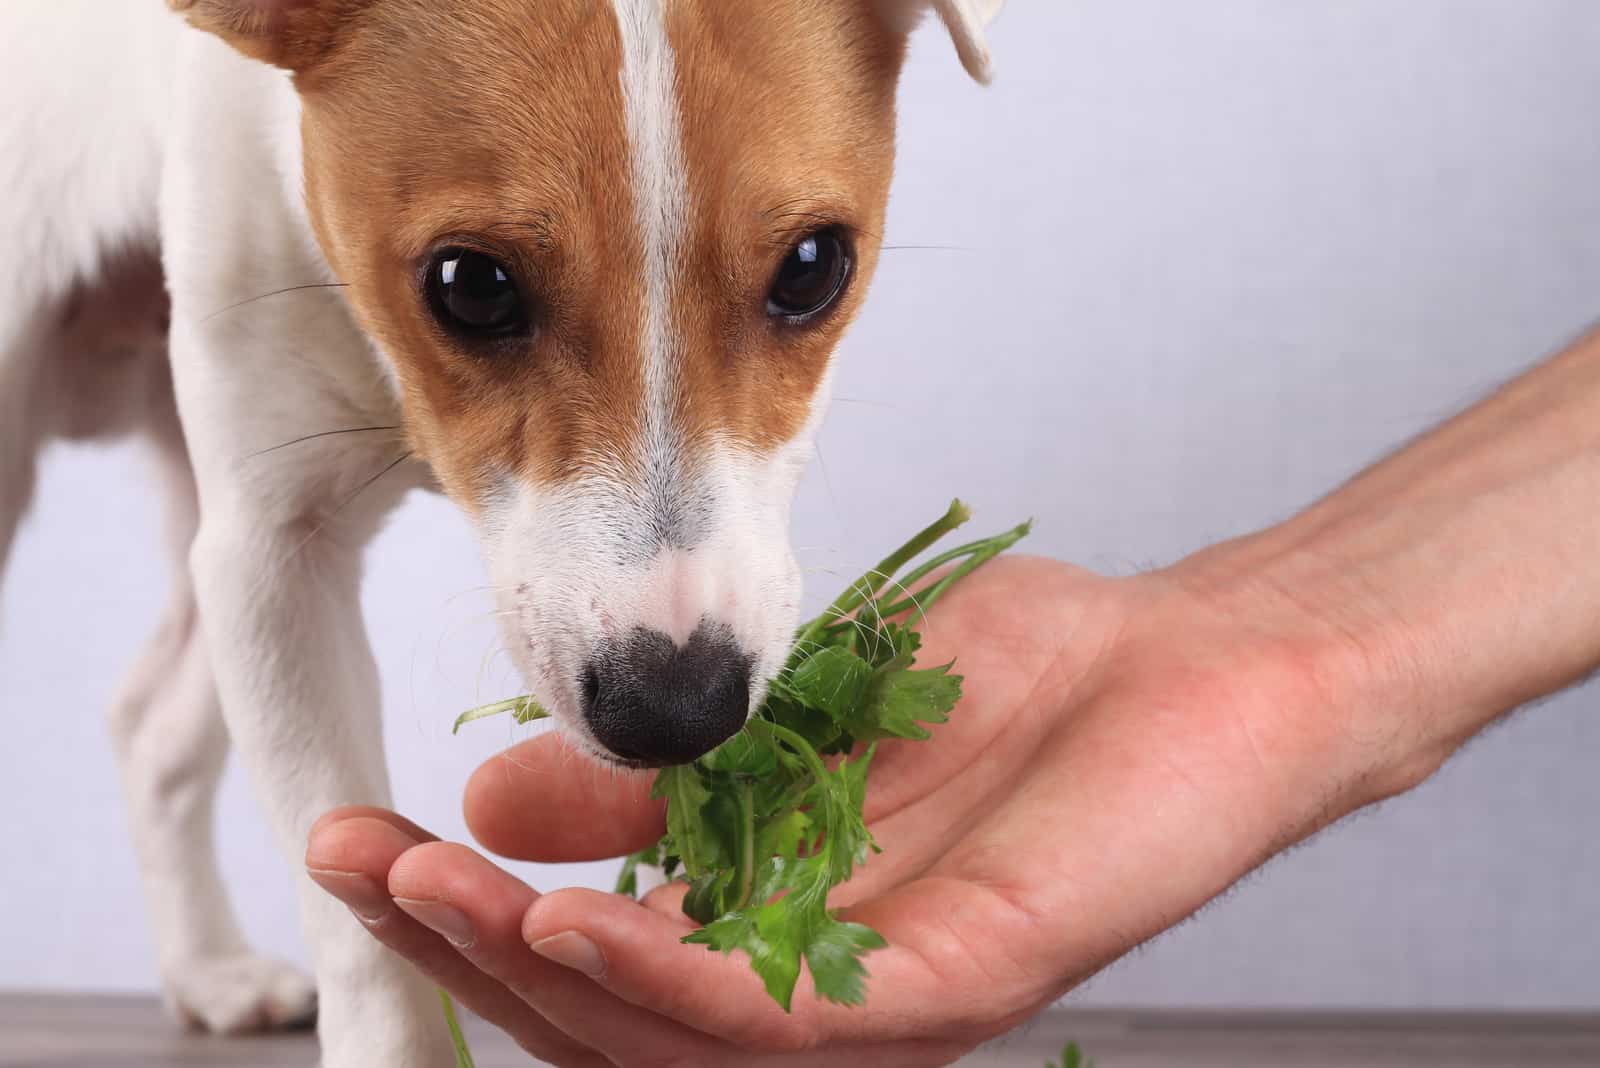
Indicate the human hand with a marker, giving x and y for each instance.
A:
(1126, 750)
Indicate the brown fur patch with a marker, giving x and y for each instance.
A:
(287, 33)
(499, 125)
(787, 110)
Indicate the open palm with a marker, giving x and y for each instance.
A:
(1122, 755)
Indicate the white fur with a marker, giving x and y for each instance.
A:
(661, 196)
(277, 558)
(136, 132)
(131, 118)
(165, 725)
(966, 21)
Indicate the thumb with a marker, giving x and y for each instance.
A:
(542, 800)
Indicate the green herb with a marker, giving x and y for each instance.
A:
(762, 828)
(463, 1054)
(522, 709)
(1072, 1057)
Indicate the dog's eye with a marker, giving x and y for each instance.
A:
(473, 294)
(811, 278)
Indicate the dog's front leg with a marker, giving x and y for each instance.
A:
(276, 567)
(300, 693)
(267, 361)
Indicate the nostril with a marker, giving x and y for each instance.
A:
(591, 688)
(624, 753)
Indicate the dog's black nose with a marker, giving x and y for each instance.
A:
(652, 703)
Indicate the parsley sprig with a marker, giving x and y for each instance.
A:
(764, 826)
(1072, 1057)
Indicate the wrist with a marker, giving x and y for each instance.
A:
(1338, 679)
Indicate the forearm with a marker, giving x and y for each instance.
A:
(1451, 582)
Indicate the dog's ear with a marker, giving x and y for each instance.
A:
(292, 34)
(967, 21)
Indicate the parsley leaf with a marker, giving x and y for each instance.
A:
(830, 680)
(1072, 1057)
(899, 700)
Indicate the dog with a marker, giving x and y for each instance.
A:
(581, 265)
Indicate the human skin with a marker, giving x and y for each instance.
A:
(1128, 748)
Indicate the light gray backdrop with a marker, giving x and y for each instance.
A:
(1208, 258)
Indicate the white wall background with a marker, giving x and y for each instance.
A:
(1209, 257)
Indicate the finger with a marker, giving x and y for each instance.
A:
(970, 980)
(514, 805)
(393, 819)
(479, 908)
(636, 953)
(352, 858)
(667, 899)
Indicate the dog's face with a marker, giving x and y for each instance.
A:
(607, 248)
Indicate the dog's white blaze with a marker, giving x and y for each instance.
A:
(661, 197)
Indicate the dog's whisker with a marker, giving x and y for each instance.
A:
(827, 481)
(275, 293)
(343, 504)
(323, 434)
(485, 588)
(484, 663)
(871, 633)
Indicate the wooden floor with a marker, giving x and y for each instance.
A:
(96, 1032)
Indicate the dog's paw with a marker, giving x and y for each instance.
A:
(240, 995)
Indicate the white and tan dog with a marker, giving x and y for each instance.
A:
(581, 264)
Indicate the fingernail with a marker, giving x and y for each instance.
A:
(364, 897)
(572, 950)
(446, 920)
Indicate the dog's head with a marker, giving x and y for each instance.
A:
(607, 248)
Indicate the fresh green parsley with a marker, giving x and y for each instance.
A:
(457, 1039)
(1072, 1057)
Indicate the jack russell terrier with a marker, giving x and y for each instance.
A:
(579, 264)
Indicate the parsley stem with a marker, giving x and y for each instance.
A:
(746, 866)
(457, 1039)
(522, 709)
(928, 567)
(801, 747)
(869, 584)
(978, 554)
